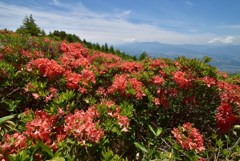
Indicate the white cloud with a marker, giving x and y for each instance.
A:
(129, 40)
(231, 27)
(124, 14)
(223, 40)
(193, 30)
(188, 3)
(94, 26)
(56, 2)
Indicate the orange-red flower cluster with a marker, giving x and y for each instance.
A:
(179, 78)
(189, 137)
(119, 84)
(230, 100)
(123, 121)
(13, 143)
(209, 81)
(73, 80)
(42, 128)
(105, 58)
(157, 80)
(51, 95)
(162, 98)
(87, 77)
(81, 125)
(75, 50)
(74, 56)
(137, 86)
(122, 82)
(48, 68)
(105, 62)
(225, 118)
(26, 53)
(46, 128)
(229, 92)
(131, 66)
(158, 63)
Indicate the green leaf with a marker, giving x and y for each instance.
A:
(45, 148)
(151, 153)
(57, 159)
(6, 118)
(22, 156)
(220, 143)
(226, 152)
(159, 131)
(152, 130)
(141, 147)
(169, 155)
(237, 127)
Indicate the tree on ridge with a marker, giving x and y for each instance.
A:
(30, 27)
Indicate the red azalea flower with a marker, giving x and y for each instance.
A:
(188, 137)
(131, 66)
(48, 68)
(157, 80)
(26, 53)
(137, 86)
(158, 63)
(36, 96)
(180, 79)
(119, 84)
(53, 92)
(81, 125)
(41, 127)
(225, 118)
(13, 143)
(209, 81)
(156, 101)
(87, 76)
(201, 159)
(73, 80)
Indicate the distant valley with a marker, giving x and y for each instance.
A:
(224, 57)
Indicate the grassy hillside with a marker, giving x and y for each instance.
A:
(63, 101)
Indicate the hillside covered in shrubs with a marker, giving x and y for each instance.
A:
(63, 101)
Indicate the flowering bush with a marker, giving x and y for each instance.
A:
(189, 137)
(81, 125)
(48, 68)
(225, 118)
(92, 105)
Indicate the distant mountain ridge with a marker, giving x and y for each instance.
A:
(224, 57)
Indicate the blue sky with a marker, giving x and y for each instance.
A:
(120, 21)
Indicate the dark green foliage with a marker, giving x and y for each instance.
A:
(62, 35)
(143, 55)
(30, 27)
